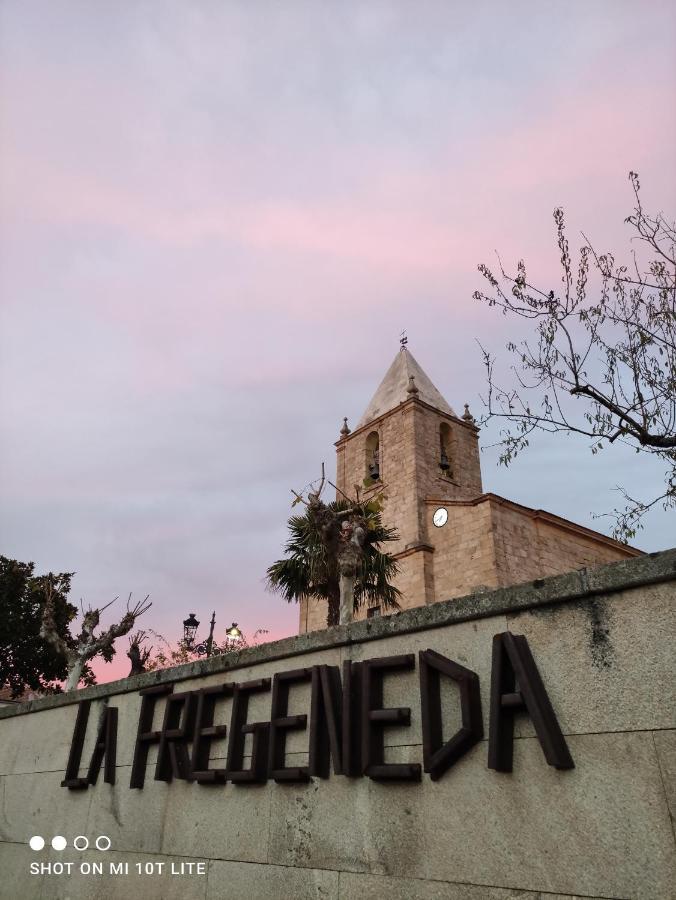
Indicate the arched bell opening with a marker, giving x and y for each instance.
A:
(445, 450)
(372, 459)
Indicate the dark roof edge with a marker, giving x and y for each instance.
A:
(653, 568)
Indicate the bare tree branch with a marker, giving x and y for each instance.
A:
(604, 361)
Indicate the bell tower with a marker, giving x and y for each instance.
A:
(454, 540)
(412, 446)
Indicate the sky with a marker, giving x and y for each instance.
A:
(217, 217)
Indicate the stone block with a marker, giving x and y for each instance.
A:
(218, 821)
(131, 818)
(23, 747)
(375, 887)
(230, 880)
(601, 829)
(15, 881)
(665, 747)
(37, 804)
(601, 666)
(345, 824)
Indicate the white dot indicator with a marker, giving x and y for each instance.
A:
(100, 841)
(81, 842)
(36, 842)
(59, 842)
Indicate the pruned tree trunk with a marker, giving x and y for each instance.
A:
(343, 535)
(346, 597)
(352, 540)
(75, 670)
(333, 607)
(139, 657)
(88, 644)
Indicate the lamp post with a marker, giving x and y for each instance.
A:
(190, 626)
(234, 633)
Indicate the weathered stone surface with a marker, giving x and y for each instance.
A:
(376, 887)
(36, 804)
(23, 747)
(229, 880)
(15, 880)
(604, 649)
(600, 829)
(665, 746)
(222, 822)
(360, 826)
(356, 825)
(133, 819)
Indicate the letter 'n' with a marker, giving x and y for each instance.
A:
(516, 685)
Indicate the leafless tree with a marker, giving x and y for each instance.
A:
(601, 359)
(137, 653)
(88, 645)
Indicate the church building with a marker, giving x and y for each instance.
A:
(454, 539)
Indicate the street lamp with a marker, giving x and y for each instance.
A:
(234, 633)
(190, 626)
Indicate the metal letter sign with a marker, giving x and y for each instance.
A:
(516, 685)
(438, 757)
(347, 722)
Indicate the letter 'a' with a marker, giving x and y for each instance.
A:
(516, 685)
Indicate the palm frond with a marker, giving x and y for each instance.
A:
(307, 571)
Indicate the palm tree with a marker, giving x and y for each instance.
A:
(311, 570)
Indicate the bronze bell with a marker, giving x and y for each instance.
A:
(374, 467)
(444, 464)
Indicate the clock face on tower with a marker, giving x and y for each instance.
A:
(440, 517)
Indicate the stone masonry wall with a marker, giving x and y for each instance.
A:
(484, 544)
(571, 549)
(409, 465)
(603, 643)
(493, 543)
(409, 471)
(397, 471)
(464, 552)
(463, 481)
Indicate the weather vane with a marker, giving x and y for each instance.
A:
(403, 340)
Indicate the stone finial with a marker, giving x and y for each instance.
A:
(411, 389)
(467, 415)
(344, 431)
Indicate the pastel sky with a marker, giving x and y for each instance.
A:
(216, 218)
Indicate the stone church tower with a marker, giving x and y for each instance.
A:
(453, 538)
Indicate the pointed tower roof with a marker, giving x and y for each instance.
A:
(396, 386)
